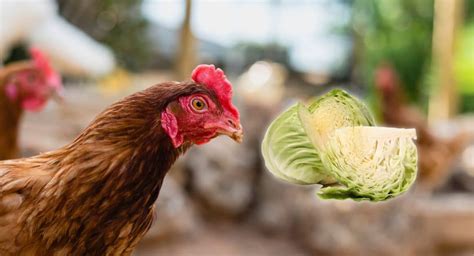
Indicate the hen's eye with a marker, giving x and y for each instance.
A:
(198, 104)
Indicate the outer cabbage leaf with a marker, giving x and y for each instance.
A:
(288, 152)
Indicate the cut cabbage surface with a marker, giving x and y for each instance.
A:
(373, 163)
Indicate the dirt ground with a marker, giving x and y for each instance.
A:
(222, 239)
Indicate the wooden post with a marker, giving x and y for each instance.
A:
(444, 98)
(186, 55)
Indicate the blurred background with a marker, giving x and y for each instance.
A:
(412, 61)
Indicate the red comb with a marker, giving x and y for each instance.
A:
(41, 61)
(215, 80)
(43, 64)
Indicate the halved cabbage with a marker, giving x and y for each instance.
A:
(288, 151)
(334, 143)
(374, 163)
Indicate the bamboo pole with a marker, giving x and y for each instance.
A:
(443, 102)
(186, 56)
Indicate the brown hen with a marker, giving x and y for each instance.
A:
(96, 195)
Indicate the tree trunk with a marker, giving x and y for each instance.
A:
(444, 98)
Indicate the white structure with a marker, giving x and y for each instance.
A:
(36, 22)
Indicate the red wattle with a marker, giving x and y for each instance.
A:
(170, 125)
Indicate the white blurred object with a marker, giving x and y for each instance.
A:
(263, 83)
(36, 22)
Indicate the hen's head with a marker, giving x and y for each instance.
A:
(205, 113)
(386, 79)
(35, 84)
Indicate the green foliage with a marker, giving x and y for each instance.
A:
(128, 33)
(464, 61)
(118, 24)
(464, 68)
(469, 12)
(397, 32)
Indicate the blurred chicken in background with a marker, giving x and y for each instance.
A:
(38, 23)
(25, 85)
(436, 154)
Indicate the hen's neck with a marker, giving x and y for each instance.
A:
(10, 111)
(127, 174)
(10, 115)
(105, 187)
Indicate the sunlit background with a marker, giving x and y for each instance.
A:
(412, 61)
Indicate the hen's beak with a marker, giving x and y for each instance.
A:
(58, 97)
(236, 133)
(231, 128)
(56, 88)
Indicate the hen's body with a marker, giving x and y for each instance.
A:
(94, 196)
